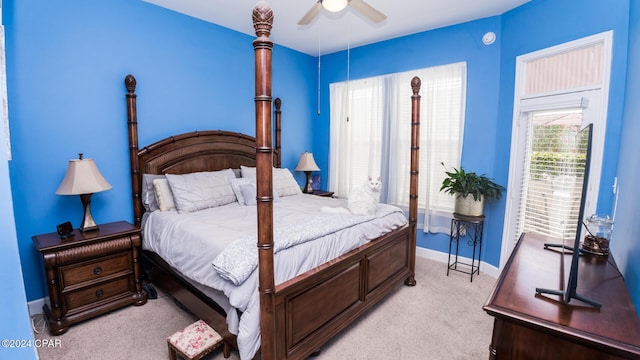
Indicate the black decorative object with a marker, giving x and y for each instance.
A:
(65, 230)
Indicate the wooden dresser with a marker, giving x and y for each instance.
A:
(533, 326)
(91, 273)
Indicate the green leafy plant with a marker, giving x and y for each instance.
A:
(461, 182)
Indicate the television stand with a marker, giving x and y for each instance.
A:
(569, 293)
(563, 247)
(566, 297)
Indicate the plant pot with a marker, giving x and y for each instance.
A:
(469, 206)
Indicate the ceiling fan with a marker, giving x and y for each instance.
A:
(338, 5)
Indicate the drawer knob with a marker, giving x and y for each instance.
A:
(97, 270)
(99, 293)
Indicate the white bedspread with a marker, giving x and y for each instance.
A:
(190, 243)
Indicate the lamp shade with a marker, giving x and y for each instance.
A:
(334, 5)
(307, 163)
(82, 177)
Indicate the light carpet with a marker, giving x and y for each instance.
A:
(439, 318)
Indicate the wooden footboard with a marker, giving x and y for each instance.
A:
(312, 308)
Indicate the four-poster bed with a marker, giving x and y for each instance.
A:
(299, 314)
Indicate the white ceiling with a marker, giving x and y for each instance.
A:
(332, 32)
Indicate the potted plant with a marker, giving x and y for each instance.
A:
(470, 190)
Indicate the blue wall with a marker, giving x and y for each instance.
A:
(66, 64)
(625, 239)
(13, 312)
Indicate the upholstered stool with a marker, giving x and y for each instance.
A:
(195, 341)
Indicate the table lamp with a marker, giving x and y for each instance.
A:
(84, 179)
(307, 164)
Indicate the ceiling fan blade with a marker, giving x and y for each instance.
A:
(368, 10)
(311, 14)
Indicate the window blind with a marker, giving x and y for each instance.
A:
(553, 174)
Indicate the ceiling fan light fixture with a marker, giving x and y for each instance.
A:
(334, 5)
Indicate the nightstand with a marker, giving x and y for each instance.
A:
(90, 273)
(322, 193)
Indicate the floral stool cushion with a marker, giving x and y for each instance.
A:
(195, 341)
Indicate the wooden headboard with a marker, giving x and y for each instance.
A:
(208, 150)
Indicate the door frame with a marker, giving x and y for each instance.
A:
(594, 99)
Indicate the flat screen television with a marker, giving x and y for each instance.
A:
(569, 291)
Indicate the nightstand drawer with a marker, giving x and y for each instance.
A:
(93, 294)
(95, 269)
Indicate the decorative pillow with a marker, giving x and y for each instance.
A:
(245, 186)
(247, 172)
(164, 197)
(235, 185)
(249, 193)
(284, 183)
(201, 190)
(148, 193)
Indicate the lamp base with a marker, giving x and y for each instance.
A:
(307, 189)
(88, 224)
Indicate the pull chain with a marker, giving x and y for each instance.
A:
(348, 67)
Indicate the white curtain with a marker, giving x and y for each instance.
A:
(379, 140)
(442, 109)
(356, 133)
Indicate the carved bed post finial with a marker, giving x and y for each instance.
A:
(262, 45)
(130, 83)
(262, 19)
(415, 85)
(413, 177)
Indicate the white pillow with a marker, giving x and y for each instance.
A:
(249, 193)
(201, 190)
(247, 172)
(246, 191)
(148, 193)
(283, 181)
(164, 197)
(235, 185)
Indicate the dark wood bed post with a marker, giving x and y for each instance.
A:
(413, 182)
(132, 122)
(277, 162)
(263, 46)
(278, 156)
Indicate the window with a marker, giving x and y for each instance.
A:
(555, 173)
(370, 135)
(558, 91)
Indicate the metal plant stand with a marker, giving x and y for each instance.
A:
(470, 228)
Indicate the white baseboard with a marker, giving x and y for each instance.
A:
(35, 306)
(442, 257)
